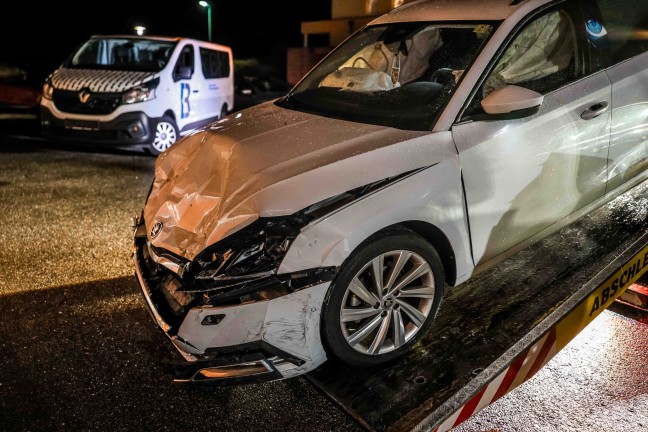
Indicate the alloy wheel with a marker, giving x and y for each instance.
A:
(387, 302)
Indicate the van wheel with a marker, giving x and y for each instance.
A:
(223, 113)
(383, 300)
(166, 133)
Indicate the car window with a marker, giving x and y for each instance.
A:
(186, 59)
(541, 57)
(626, 25)
(399, 75)
(215, 64)
(129, 54)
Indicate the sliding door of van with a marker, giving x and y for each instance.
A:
(217, 72)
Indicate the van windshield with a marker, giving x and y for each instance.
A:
(146, 55)
(399, 75)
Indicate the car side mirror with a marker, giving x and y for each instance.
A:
(183, 73)
(512, 101)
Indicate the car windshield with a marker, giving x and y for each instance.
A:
(398, 75)
(147, 55)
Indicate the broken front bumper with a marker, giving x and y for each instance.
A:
(250, 341)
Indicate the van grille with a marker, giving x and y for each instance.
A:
(98, 103)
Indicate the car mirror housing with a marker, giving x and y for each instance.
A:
(512, 99)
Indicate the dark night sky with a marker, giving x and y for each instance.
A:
(59, 27)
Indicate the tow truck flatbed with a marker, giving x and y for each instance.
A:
(497, 330)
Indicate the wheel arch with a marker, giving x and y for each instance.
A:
(171, 114)
(440, 242)
(431, 234)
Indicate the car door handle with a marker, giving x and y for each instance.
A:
(595, 111)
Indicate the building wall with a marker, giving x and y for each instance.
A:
(347, 16)
(301, 60)
(359, 8)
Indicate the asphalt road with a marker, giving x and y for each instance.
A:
(80, 352)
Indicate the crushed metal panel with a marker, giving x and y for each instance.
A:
(269, 161)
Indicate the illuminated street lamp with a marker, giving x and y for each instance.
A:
(140, 30)
(208, 5)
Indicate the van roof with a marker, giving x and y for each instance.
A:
(159, 38)
(455, 10)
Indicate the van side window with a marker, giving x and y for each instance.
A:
(215, 64)
(626, 23)
(184, 68)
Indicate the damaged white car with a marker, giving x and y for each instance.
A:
(438, 140)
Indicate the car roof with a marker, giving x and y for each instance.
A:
(165, 39)
(118, 36)
(455, 10)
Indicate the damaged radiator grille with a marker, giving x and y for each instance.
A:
(164, 289)
(241, 269)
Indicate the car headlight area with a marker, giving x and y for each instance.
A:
(228, 311)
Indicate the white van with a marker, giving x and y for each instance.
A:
(130, 91)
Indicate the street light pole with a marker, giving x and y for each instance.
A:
(209, 17)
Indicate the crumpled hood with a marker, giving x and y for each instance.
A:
(267, 161)
(98, 80)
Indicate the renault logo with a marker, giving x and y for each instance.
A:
(84, 96)
(157, 227)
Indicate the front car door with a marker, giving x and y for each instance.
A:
(187, 88)
(625, 31)
(523, 175)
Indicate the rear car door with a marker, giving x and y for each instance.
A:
(523, 175)
(626, 30)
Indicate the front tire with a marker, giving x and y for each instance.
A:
(166, 133)
(384, 299)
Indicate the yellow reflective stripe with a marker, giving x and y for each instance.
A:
(601, 298)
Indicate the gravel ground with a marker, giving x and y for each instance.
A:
(79, 350)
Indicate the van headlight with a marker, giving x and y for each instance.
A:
(142, 93)
(48, 89)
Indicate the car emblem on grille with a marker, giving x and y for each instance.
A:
(157, 227)
(84, 96)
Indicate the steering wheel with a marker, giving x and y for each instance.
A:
(439, 72)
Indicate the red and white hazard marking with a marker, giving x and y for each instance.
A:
(636, 295)
(522, 369)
